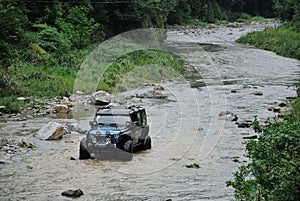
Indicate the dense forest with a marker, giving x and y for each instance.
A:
(35, 29)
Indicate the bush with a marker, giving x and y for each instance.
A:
(274, 170)
(283, 40)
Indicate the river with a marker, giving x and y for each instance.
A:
(186, 129)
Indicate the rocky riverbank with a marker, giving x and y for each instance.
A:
(197, 132)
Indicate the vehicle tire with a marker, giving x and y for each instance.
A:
(147, 143)
(128, 146)
(83, 152)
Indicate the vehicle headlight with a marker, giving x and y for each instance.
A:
(93, 139)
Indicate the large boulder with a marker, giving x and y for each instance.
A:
(51, 131)
(100, 98)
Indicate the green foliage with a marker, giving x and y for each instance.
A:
(285, 9)
(12, 105)
(50, 39)
(274, 170)
(77, 26)
(12, 19)
(140, 62)
(181, 14)
(31, 80)
(283, 40)
(28, 80)
(7, 85)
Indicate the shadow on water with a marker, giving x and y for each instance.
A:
(209, 47)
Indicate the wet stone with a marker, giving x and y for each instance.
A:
(193, 165)
(228, 116)
(235, 159)
(26, 145)
(244, 124)
(276, 109)
(72, 193)
(72, 158)
(250, 137)
(51, 131)
(29, 167)
(257, 93)
(282, 104)
(61, 109)
(159, 87)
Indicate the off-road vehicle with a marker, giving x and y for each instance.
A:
(116, 133)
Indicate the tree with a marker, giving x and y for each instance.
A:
(181, 14)
(13, 20)
(77, 26)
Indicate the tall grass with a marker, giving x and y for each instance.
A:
(283, 40)
(31, 80)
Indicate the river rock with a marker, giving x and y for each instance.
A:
(193, 165)
(244, 124)
(228, 116)
(51, 131)
(66, 102)
(159, 88)
(152, 95)
(284, 111)
(72, 193)
(291, 97)
(24, 144)
(236, 159)
(72, 158)
(276, 109)
(257, 93)
(26, 100)
(62, 109)
(283, 104)
(100, 98)
(250, 137)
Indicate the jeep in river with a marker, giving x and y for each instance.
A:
(116, 133)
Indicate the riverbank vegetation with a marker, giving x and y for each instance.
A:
(285, 39)
(273, 172)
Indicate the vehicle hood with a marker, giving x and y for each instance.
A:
(104, 130)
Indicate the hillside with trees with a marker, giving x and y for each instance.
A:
(42, 40)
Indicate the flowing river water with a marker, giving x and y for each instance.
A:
(185, 129)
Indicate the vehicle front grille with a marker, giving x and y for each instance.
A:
(100, 139)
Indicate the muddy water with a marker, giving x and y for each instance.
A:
(185, 129)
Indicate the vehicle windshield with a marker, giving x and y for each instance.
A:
(110, 120)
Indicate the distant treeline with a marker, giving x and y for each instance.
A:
(52, 27)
